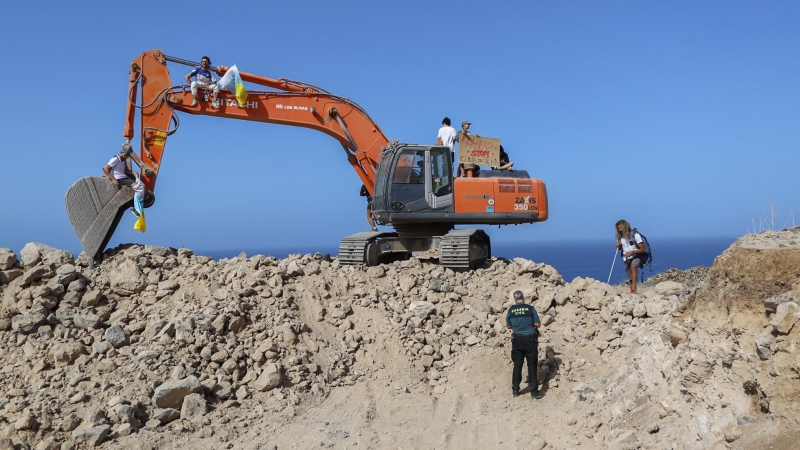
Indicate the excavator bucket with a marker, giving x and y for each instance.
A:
(95, 207)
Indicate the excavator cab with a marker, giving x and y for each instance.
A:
(416, 193)
(415, 186)
(415, 180)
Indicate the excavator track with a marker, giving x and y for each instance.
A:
(464, 249)
(361, 248)
(95, 207)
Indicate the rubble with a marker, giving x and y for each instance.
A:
(157, 341)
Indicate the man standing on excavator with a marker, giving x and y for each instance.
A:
(447, 136)
(465, 134)
(204, 78)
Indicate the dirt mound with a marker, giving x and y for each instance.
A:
(162, 348)
(753, 268)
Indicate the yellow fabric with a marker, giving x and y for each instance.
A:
(232, 82)
(241, 92)
(140, 224)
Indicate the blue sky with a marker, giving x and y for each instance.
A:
(681, 117)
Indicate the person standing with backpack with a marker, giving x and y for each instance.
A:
(634, 253)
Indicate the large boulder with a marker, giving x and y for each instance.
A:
(65, 315)
(36, 273)
(786, 315)
(376, 272)
(163, 252)
(7, 258)
(91, 436)
(91, 298)
(65, 273)
(5, 318)
(270, 378)
(594, 298)
(127, 278)
(67, 353)
(7, 276)
(154, 328)
(165, 415)
(545, 300)
(194, 408)
(33, 252)
(86, 319)
(294, 269)
(56, 258)
(771, 303)
(407, 283)
(667, 288)
(656, 308)
(116, 336)
(26, 323)
(172, 393)
(422, 309)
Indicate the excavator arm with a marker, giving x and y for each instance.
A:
(95, 207)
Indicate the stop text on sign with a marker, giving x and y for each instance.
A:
(482, 151)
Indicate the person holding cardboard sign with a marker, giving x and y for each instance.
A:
(465, 134)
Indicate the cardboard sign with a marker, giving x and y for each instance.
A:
(481, 151)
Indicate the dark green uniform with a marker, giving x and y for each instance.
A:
(524, 344)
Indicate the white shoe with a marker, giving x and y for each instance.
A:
(194, 101)
(215, 104)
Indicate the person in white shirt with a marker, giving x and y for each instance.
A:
(447, 136)
(118, 172)
(120, 175)
(633, 250)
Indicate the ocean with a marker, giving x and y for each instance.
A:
(592, 258)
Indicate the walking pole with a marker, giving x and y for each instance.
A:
(612, 266)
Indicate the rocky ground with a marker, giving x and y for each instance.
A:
(162, 348)
(690, 278)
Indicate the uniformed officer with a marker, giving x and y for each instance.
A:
(523, 321)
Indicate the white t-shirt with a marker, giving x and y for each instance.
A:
(627, 247)
(118, 167)
(448, 135)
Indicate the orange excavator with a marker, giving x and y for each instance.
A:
(412, 186)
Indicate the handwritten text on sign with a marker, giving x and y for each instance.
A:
(482, 151)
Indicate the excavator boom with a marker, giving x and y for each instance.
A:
(294, 103)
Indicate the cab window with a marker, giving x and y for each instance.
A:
(441, 171)
(409, 168)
